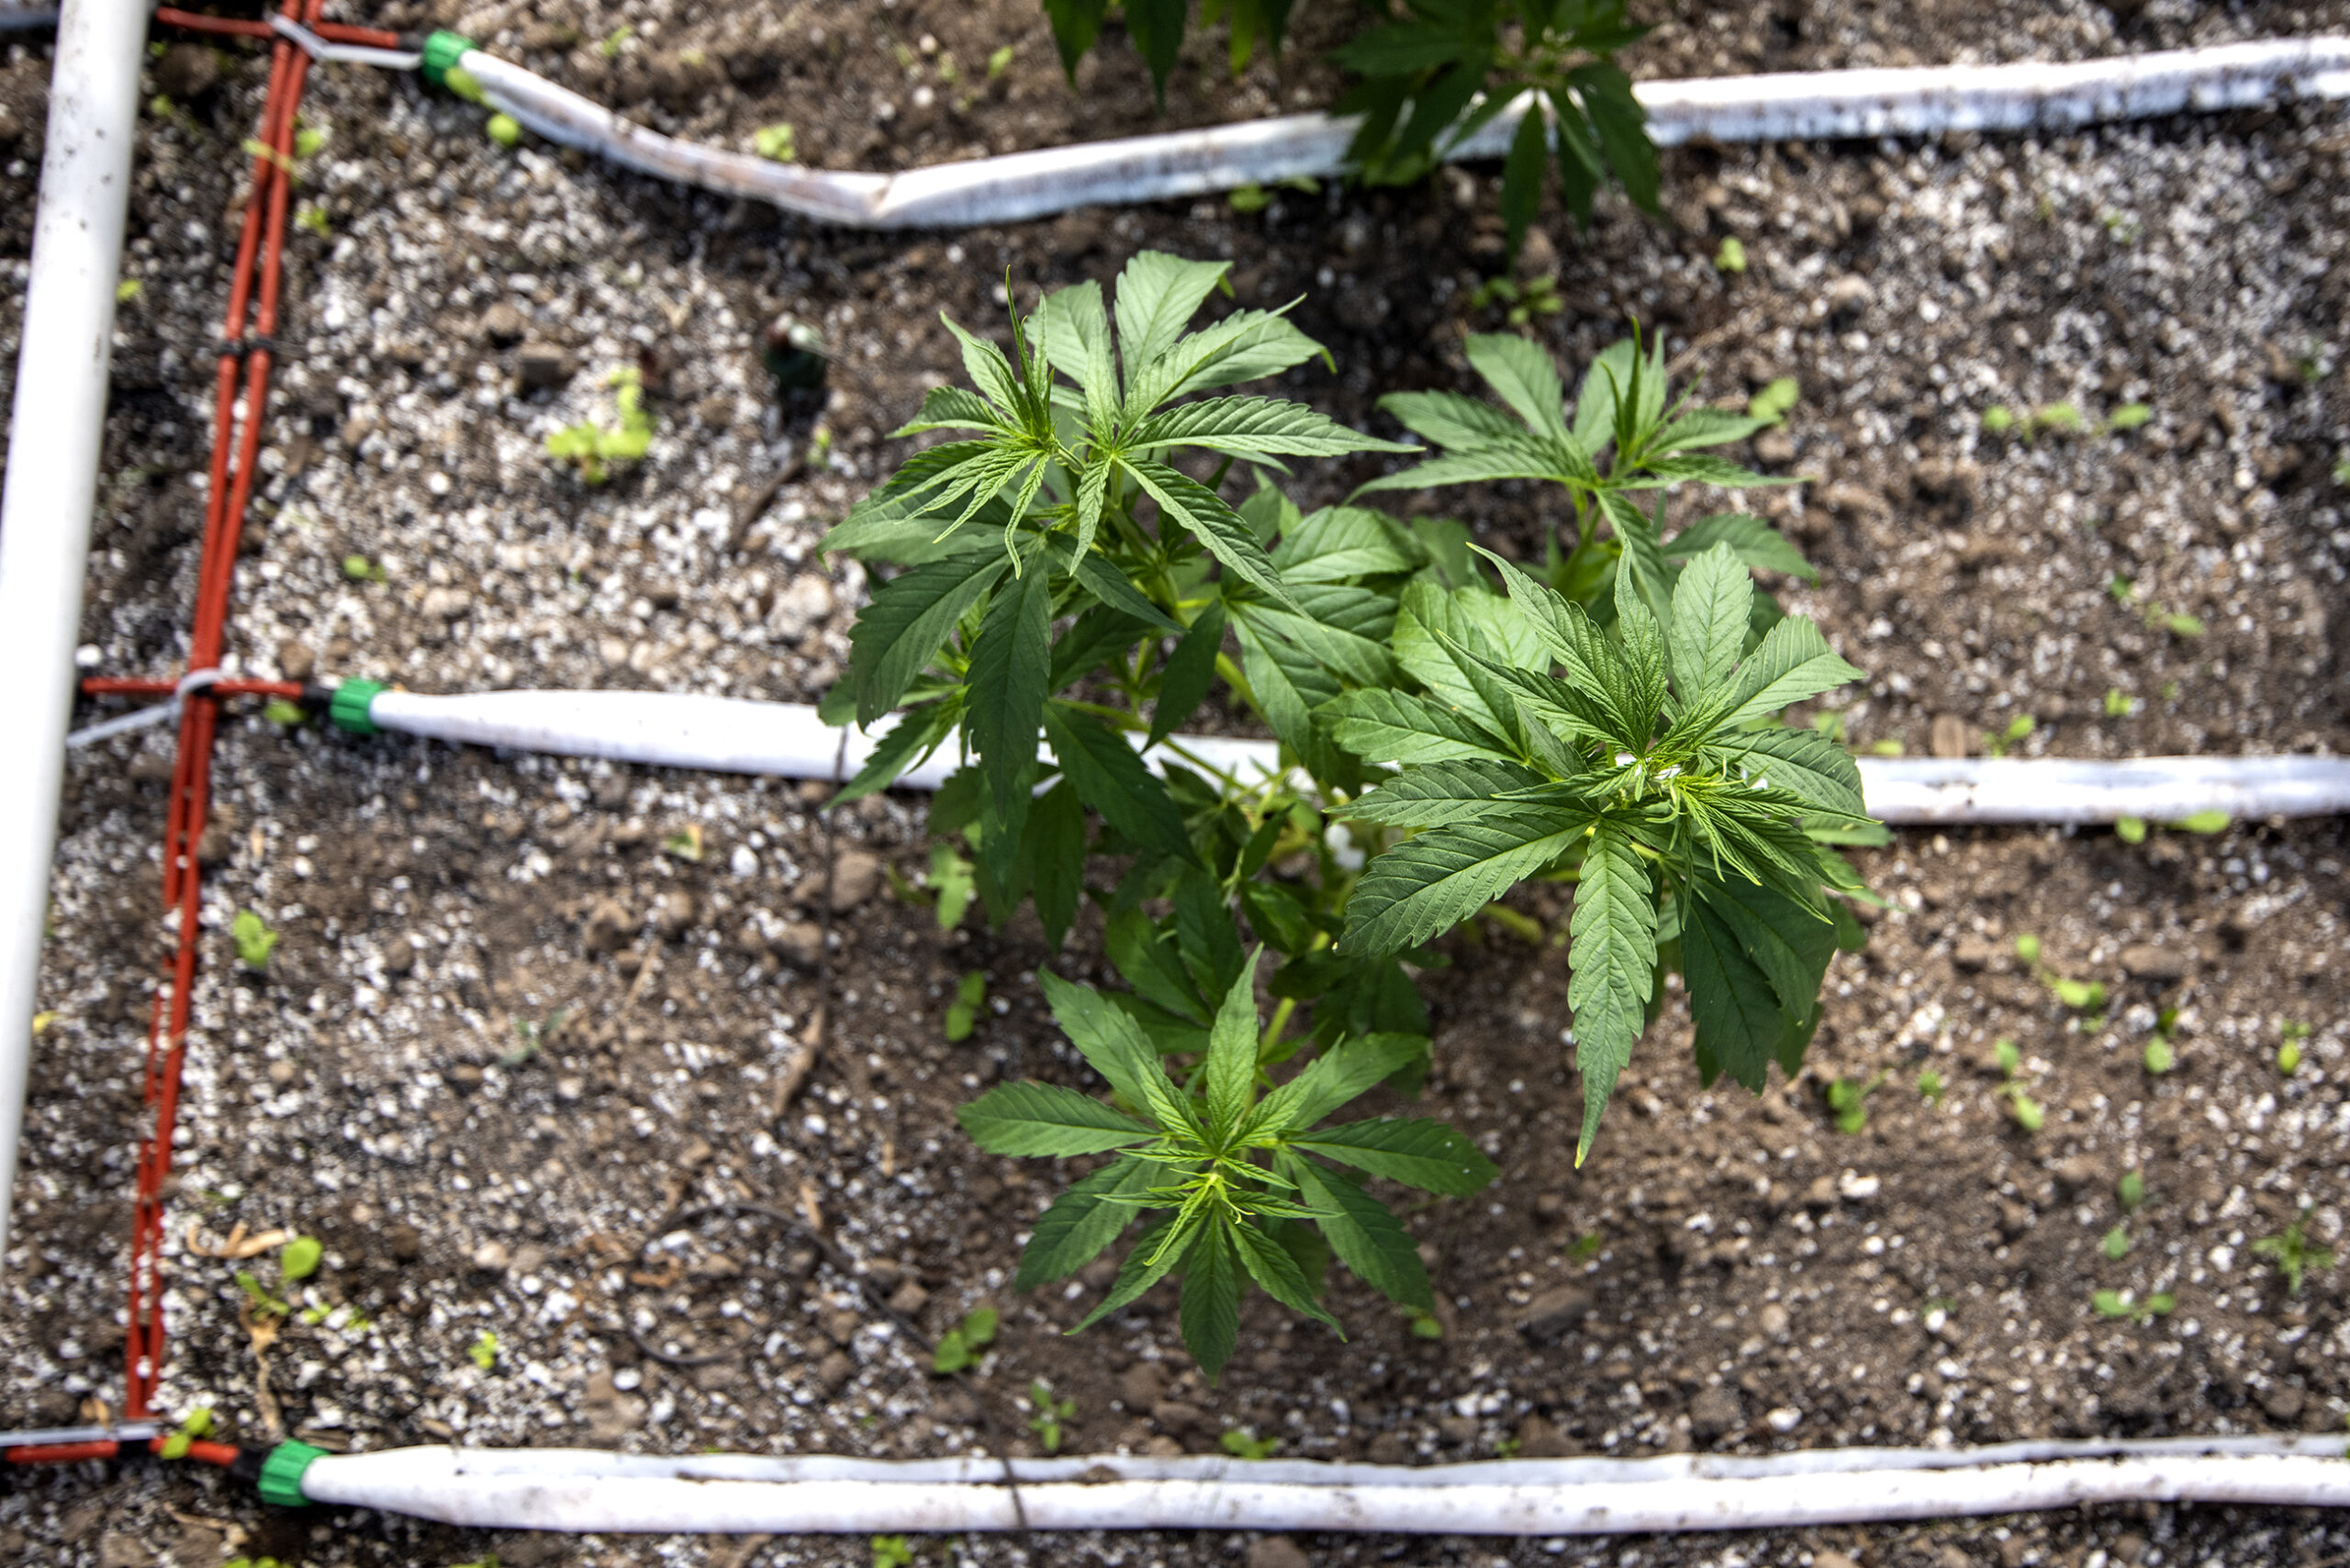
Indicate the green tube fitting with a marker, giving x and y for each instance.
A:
(442, 49)
(348, 707)
(281, 1473)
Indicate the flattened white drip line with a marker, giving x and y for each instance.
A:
(788, 739)
(586, 1490)
(1826, 104)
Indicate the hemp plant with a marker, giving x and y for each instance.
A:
(1234, 1176)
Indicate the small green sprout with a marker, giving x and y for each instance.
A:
(531, 1037)
(2130, 830)
(504, 129)
(892, 1552)
(2119, 704)
(1248, 196)
(195, 1425)
(593, 446)
(999, 62)
(775, 142)
(1930, 1087)
(253, 1563)
(2125, 1305)
(1424, 1325)
(128, 291)
(300, 1259)
(2128, 416)
(263, 1303)
(285, 714)
(951, 879)
(2018, 729)
(482, 1352)
(2160, 1057)
(1730, 257)
(1999, 419)
(314, 218)
(1586, 1247)
(2010, 1059)
(2288, 1047)
(2293, 1252)
(1775, 400)
(1535, 297)
(1847, 1099)
(615, 40)
(2081, 996)
(2030, 1114)
(1241, 1443)
(1050, 1413)
(2120, 590)
(1891, 747)
(2204, 823)
(2131, 1191)
(963, 1345)
(255, 941)
(359, 569)
(310, 139)
(963, 1012)
(2117, 1243)
(685, 844)
(2027, 947)
(2060, 417)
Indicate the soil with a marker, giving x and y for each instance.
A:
(508, 1032)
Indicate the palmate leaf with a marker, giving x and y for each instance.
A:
(1804, 763)
(1753, 958)
(1158, 295)
(1271, 1266)
(1365, 1234)
(1075, 327)
(1518, 455)
(1112, 780)
(1243, 346)
(1075, 24)
(1430, 883)
(1156, 1253)
(1045, 1118)
(911, 615)
(1735, 1011)
(1756, 542)
(1522, 173)
(917, 733)
(1794, 662)
(1707, 427)
(1349, 1069)
(1613, 953)
(1082, 1221)
(1415, 1151)
(1394, 726)
(1440, 793)
(1115, 1047)
(1253, 427)
(1005, 685)
(1053, 847)
(1521, 373)
(1450, 420)
(1209, 1311)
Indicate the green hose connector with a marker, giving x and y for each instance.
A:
(348, 707)
(281, 1473)
(442, 49)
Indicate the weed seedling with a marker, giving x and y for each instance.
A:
(1847, 1099)
(1241, 1443)
(592, 446)
(2130, 1191)
(2289, 1045)
(2293, 1253)
(1049, 1415)
(2028, 1114)
(1998, 419)
(999, 62)
(1586, 1247)
(775, 142)
(1930, 1087)
(2117, 1243)
(2128, 417)
(359, 569)
(195, 1425)
(531, 1037)
(685, 844)
(260, 1300)
(963, 1012)
(1427, 1326)
(299, 1259)
(128, 291)
(963, 1345)
(1775, 400)
(2125, 1305)
(1535, 297)
(285, 715)
(951, 881)
(482, 1352)
(1730, 256)
(615, 40)
(892, 1552)
(255, 940)
(2118, 704)
(2018, 729)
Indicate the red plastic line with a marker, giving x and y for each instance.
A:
(203, 1452)
(60, 1453)
(333, 32)
(140, 685)
(261, 242)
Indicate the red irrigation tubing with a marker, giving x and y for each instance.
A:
(60, 1453)
(140, 686)
(261, 242)
(333, 32)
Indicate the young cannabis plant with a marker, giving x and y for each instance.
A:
(1649, 763)
(1625, 436)
(1233, 1176)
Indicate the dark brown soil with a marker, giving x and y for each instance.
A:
(1723, 1274)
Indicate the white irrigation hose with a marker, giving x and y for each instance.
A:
(1810, 104)
(788, 740)
(587, 1490)
(54, 432)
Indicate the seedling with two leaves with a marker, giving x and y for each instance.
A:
(966, 1344)
(2293, 1253)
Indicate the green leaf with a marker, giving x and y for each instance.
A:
(1613, 954)
(1156, 1253)
(1440, 793)
(1157, 294)
(1794, 662)
(1392, 727)
(1703, 426)
(1521, 373)
(953, 408)
(1622, 123)
(1045, 1118)
(1243, 346)
(1145, 955)
(1522, 180)
(910, 617)
(1203, 930)
(1737, 1017)
(1450, 420)
(1253, 427)
(1228, 1077)
(1003, 698)
(1348, 1069)
(1209, 1313)
(1075, 24)
(1157, 27)
(1075, 327)
(914, 737)
(1109, 586)
(300, 1259)
(1429, 884)
(1115, 1047)
(1757, 543)
(1803, 762)
(1520, 455)
(1289, 686)
(1202, 513)
(1190, 670)
(1415, 1151)
(1053, 845)
(1340, 544)
(1402, 49)
(1270, 1265)
(1083, 1220)
(1709, 613)
(1367, 1237)
(1112, 780)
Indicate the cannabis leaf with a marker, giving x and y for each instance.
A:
(1233, 1174)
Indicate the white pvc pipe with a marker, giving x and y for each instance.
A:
(788, 740)
(1810, 104)
(587, 1490)
(54, 432)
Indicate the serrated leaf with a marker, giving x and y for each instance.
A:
(1208, 1311)
(916, 734)
(1521, 455)
(911, 616)
(1289, 686)
(1053, 846)
(1198, 510)
(1075, 327)
(1144, 954)
(1522, 375)
(1402, 49)
(1360, 659)
(1109, 586)
(1737, 1013)
(1613, 954)
(1450, 420)
(1367, 1237)
(1622, 123)
(1253, 427)
(1522, 173)
(1442, 792)
(1003, 688)
(1190, 670)
(1415, 1151)
(1027, 1117)
(1696, 468)
(1204, 935)
(1703, 426)
(1156, 1253)
(1757, 543)
(1710, 604)
(1082, 1221)
(1339, 544)
(1157, 27)
(1228, 1077)
(1789, 940)
(1270, 1265)
(1112, 780)
(1346, 1070)
(1803, 762)
(1392, 727)
(1794, 662)
(1114, 1045)
(1428, 884)
(1243, 346)
(1157, 294)
(1075, 24)
(953, 408)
